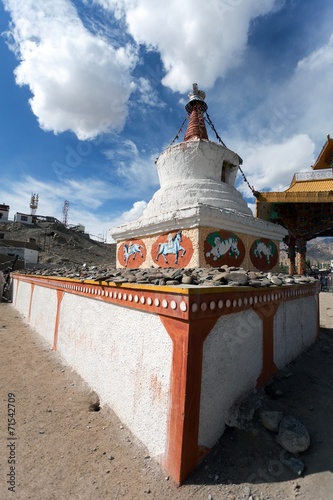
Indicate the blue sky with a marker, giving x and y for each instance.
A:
(92, 92)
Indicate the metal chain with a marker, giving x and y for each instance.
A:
(254, 192)
(209, 121)
(179, 131)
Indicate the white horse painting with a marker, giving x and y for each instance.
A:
(221, 247)
(172, 246)
(132, 249)
(263, 249)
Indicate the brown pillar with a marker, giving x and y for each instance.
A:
(183, 453)
(269, 368)
(301, 251)
(292, 257)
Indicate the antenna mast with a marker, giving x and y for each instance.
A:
(65, 210)
(34, 203)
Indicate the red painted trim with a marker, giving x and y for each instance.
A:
(177, 302)
(60, 294)
(183, 453)
(318, 316)
(30, 301)
(266, 313)
(16, 291)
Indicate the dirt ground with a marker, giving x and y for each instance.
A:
(63, 449)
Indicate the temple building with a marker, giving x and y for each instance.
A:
(198, 218)
(305, 209)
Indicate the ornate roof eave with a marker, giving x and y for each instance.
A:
(296, 197)
(322, 160)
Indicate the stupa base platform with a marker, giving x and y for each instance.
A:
(170, 361)
(200, 236)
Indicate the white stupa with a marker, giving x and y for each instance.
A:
(197, 202)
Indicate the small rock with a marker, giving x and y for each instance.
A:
(293, 436)
(294, 464)
(255, 283)
(239, 277)
(289, 281)
(271, 419)
(176, 274)
(276, 281)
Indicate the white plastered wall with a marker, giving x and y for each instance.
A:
(295, 328)
(43, 312)
(123, 354)
(21, 297)
(232, 363)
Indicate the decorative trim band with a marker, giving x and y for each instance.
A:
(185, 303)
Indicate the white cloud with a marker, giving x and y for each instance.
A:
(87, 201)
(146, 94)
(87, 193)
(79, 81)
(135, 171)
(270, 167)
(129, 215)
(318, 59)
(311, 91)
(299, 105)
(196, 40)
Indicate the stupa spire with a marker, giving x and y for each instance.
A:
(196, 107)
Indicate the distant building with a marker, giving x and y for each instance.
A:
(27, 251)
(24, 218)
(4, 212)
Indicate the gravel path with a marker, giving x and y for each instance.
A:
(66, 450)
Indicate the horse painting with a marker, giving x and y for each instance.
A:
(263, 249)
(221, 247)
(172, 246)
(131, 249)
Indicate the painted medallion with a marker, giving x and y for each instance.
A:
(132, 254)
(172, 250)
(264, 254)
(224, 247)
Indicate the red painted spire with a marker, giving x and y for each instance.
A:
(196, 107)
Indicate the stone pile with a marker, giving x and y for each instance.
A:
(214, 277)
(291, 434)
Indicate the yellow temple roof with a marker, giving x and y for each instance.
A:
(308, 187)
(305, 208)
(325, 157)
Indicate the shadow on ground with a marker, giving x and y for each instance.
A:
(251, 454)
